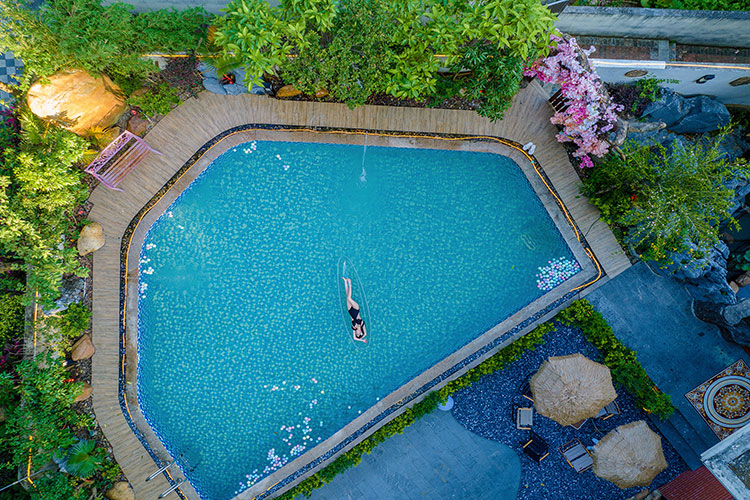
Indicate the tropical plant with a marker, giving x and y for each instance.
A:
(81, 459)
(38, 413)
(666, 200)
(588, 116)
(158, 100)
(40, 186)
(493, 78)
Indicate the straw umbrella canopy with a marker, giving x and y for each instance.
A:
(630, 455)
(571, 388)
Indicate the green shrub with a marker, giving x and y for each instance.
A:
(662, 201)
(40, 188)
(626, 370)
(357, 47)
(698, 4)
(39, 412)
(96, 38)
(12, 313)
(156, 101)
(63, 329)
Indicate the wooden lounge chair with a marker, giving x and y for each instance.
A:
(608, 411)
(524, 418)
(536, 448)
(577, 455)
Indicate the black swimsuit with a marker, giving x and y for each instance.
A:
(356, 320)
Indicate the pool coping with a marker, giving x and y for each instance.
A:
(433, 378)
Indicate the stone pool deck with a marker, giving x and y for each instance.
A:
(185, 130)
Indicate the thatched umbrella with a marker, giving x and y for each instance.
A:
(569, 389)
(630, 455)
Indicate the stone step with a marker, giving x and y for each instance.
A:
(674, 437)
(694, 437)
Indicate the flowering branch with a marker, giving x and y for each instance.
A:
(589, 115)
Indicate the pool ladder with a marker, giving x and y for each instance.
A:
(162, 470)
(172, 488)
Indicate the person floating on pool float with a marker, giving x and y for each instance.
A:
(359, 331)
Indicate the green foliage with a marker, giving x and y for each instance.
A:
(740, 262)
(81, 460)
(57, 486)
(87, 35)
(39, 416)
(663, 200)
(358, 47)
(40, 186)
(63, 329)
(698, 4)
(157, 101)
(495, 77)
(648, 88)
(349, 66)
(11, 317)
(626, 370)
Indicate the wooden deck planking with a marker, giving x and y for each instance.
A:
(179, 135)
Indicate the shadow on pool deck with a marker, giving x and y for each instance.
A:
(436, 458)
(652, 315)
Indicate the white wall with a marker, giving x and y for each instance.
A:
(613, 71)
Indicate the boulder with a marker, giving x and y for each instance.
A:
(77, 101)
(91, 238)
(321, 93)
(706, 278)
(137, 125)
(287, 91)
(669, 108)
(705, 114)
(687, 115)
(121, 490)
(83, 348)
(72, 289)
(732, 320)
(85, 394)
(213, 85)
(235, 89)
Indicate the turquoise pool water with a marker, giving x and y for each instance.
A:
(244, 359)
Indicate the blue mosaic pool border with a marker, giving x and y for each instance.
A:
(424, 389)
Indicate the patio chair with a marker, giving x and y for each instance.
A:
(609, 411)
(524, 418)
(577, 426)
(526, 389)
(536, 448)
(577, 455)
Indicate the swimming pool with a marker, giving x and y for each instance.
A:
(244, 359)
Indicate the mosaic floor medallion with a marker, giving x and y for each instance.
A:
(724, 400)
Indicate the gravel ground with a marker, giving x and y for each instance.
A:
(486, 408)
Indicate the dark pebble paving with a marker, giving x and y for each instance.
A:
(486, 408)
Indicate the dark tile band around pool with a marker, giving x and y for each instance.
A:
(472, 353)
